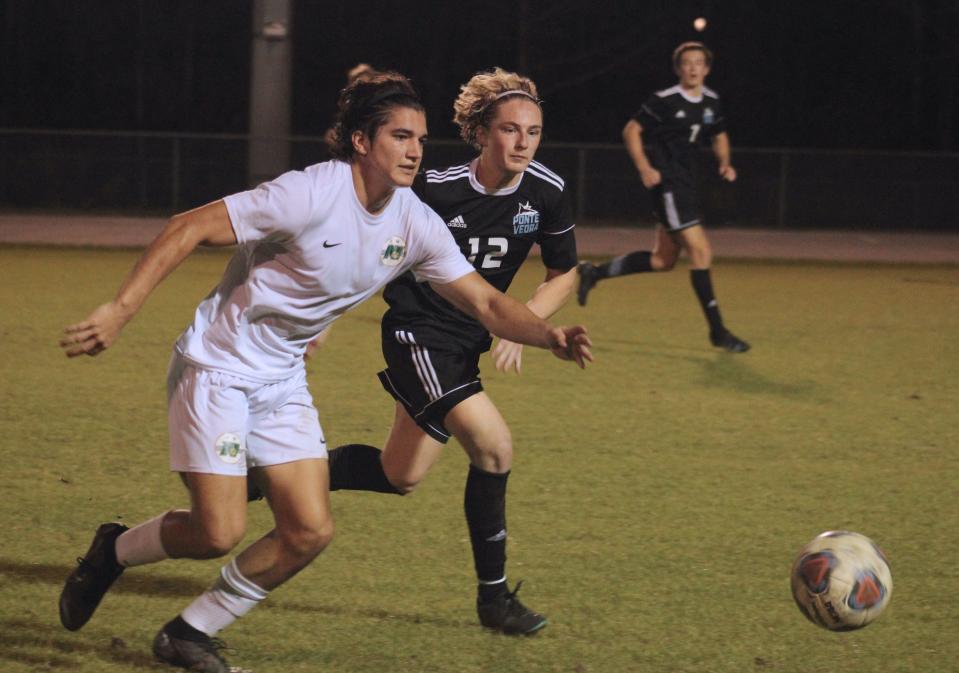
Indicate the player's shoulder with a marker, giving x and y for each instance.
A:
(669, 92)
(541, 175)
(435, 176)
(417, 210)
(323, 178)
(710, 93)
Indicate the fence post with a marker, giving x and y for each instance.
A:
(783, 172)
(580, 183)
(175, 175)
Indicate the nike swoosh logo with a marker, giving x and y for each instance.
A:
(327, 244)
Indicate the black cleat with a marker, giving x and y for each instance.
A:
(729, 342)
(587, 280)
(194, 655)
(507, 614)
(95, 573)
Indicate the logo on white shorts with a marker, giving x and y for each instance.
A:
(393, 252)
(229, 447)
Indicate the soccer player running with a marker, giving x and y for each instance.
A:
(663, 140)
(496, 206)
(312, 245)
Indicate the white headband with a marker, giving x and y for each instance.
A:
(516, 92)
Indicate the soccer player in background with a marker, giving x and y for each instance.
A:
(663, 140)
(312, 245)
(496, 206)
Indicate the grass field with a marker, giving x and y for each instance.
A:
(656, 502)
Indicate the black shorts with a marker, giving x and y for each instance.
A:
(429, 376)
(676, 206)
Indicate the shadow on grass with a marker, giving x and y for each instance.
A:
(130, 583)
(48, 647)
(189, 587)
(372, 613)
(729, 371)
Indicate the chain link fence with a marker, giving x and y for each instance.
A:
(163, 173)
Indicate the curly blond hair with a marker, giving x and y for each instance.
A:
(479, 97)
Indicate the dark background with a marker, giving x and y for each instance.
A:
(860, 74)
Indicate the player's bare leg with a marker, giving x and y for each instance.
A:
(480, 428)
(409, 453)
(697, 246)
(662, 258)
(213, 525)
(299, 497)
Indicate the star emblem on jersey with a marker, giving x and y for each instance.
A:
(457, 222)
(526, 219)
(393, 251)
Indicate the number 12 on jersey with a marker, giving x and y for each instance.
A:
(495, 250)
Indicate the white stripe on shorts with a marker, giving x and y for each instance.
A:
(424, 368)
(672, 216)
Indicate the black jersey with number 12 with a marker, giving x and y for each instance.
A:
(495, 231)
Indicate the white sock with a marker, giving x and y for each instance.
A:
(141, 544)
(230, 598)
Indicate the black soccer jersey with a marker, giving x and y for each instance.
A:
(674, 127)
(495, 231)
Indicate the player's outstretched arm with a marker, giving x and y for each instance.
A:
(633, 140)
(507, 318)
(209, 225)
(550, 296)
(723, 156)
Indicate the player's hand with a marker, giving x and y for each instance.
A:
(95, 334)
(650, 177)
(571, 343)
(508, 355)
(727, 173)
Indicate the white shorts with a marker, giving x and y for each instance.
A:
(225, 424)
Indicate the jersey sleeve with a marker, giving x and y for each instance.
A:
(557, 239)
(439, 259)
(652, 113)
(280, 208)
(719, 119)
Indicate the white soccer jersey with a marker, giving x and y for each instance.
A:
(309, 252)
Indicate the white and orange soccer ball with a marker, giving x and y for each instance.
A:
(841, 581)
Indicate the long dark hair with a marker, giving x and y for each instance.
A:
(365, 105)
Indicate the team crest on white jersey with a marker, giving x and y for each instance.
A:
(526, 219)
(457, 223)
(393, 252)
(708, 116)
(229, 448)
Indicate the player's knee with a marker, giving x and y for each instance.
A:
(306, 542)
(661, 262)
(495, 455)
(217, 543)
(405, 483)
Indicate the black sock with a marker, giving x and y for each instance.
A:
(485, 504)
(357, 467)
(703, 286)
(488, 592)
(634, 262)
(180, 629)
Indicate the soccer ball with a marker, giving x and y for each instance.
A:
(841, 580)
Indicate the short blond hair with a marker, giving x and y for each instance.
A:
(479, 97)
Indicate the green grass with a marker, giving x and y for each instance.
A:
(656, 502)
